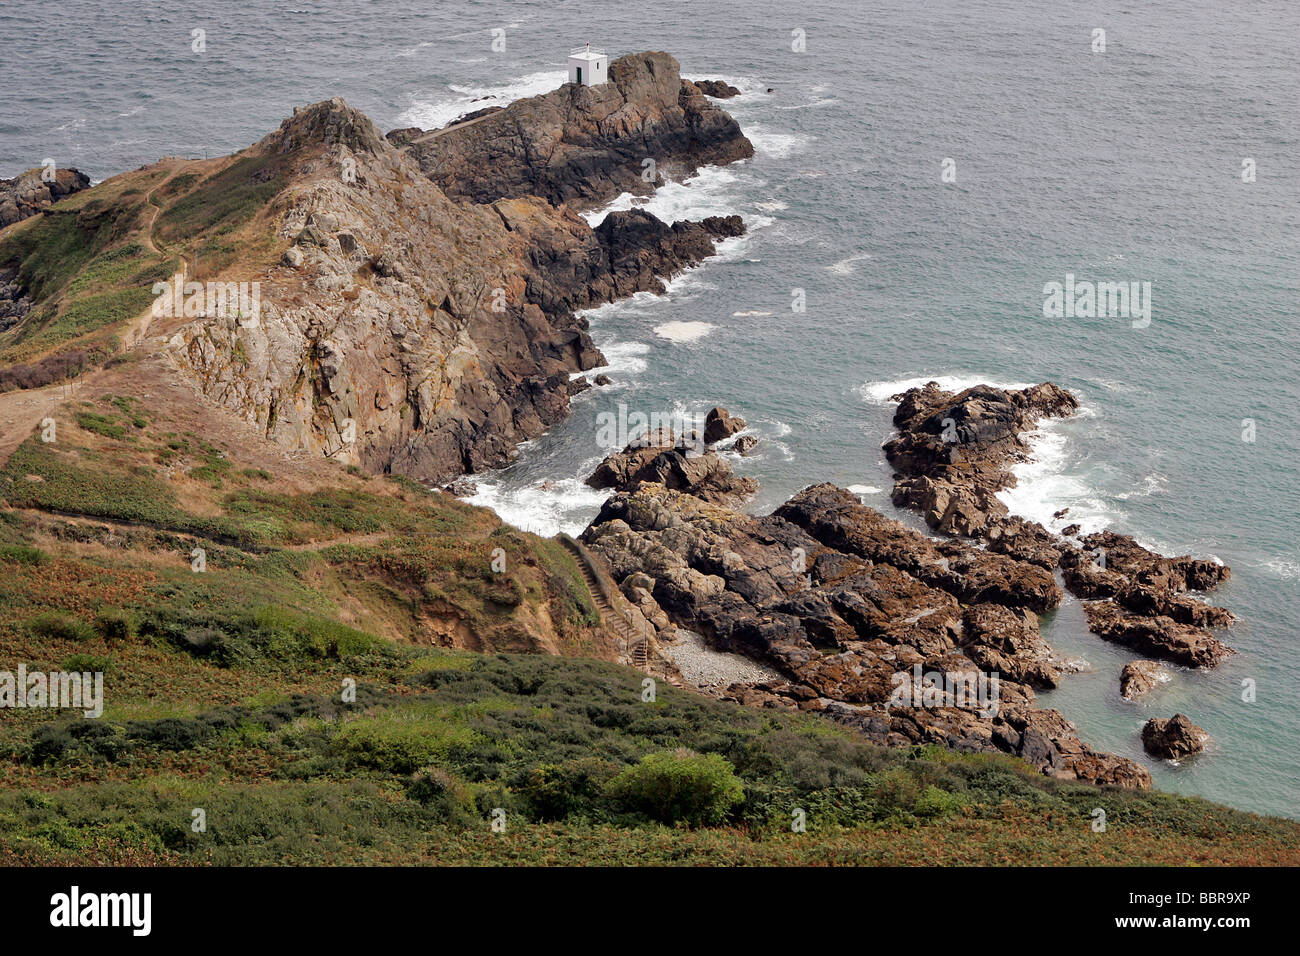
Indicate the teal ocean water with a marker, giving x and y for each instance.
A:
(1124, 165)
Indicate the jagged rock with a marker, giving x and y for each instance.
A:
(1159, 636)
(955, 452)
(744, 444)
(719, 424)
(584, 145)
(1173, 739)
(462, 488)
(677, 464)
(718, 89)
(1139, 678)
(603, 380)
(457, 321)
(28, 193)
(843, 602)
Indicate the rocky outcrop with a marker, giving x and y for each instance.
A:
(1158, 636)
(403, 331)
(955, 451)
(1173, 739)
(1139, 678)
(718, 89)
(584, 145)
(719, 425)
(848, 606)
(30, 192)
(675, 462)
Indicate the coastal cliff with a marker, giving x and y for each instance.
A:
(398, 328)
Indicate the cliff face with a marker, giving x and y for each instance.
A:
(583, 145)
(28, 193)
(404, 331)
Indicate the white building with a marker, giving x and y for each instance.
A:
(588, 67)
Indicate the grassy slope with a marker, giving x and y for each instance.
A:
(223, 693)
(89, 264)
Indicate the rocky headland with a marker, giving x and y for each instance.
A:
(583, 145)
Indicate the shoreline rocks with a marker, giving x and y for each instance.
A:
(955, 452)
(676, 463)
(1139, 678)
(29, 193)
(1174, 738)
(845, 603)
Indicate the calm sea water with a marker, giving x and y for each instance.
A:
(1122, 165)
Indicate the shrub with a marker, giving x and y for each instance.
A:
(54, 625)
(679, 786)
(557, 791)
(88, 663)
(21, 554)
(448, 798)
(114, 624)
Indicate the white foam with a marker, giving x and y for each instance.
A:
(622, 358)
(747, 315)
(547, 508)
(438, 112)
(1044, 486)
(864, 489)
(846, 266)
(684, 332)
(1285, 569)
(879, 393)
(778, 145)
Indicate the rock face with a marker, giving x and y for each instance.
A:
(28, 193)
(1173, 739)
(675, 463)
(719, 425)
(844, 603)
(1139, 678)
(955, 451)
(584, 145)
(437, 334)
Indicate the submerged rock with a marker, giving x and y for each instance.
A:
(1139, 678)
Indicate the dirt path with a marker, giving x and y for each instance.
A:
(447, 129)
(22, 411)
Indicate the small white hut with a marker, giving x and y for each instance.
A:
(588, 67)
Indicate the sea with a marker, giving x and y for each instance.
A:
(923, 173)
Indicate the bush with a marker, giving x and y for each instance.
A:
(115, 624)
(448, 798)
(87, 663)
(558, 791)
(679, 786)
(54, 625)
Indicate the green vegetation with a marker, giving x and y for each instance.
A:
(291, 690)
